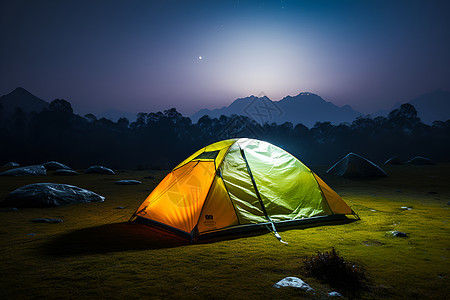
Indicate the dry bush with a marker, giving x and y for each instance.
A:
(331, 268)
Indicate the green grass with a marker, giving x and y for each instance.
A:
(94, 253)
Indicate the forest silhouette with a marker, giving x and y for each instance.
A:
(161, 140)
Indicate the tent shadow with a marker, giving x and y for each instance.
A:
(261, 230)
(127, 236)
(112, 238)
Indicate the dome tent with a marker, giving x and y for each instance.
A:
(239, 184)
(355, 166)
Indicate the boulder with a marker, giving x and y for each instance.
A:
(48, 195)
(11, 164)
(356, 166)
(65, 172)
(54, 165)
(99, 170)
(128, 182)
(395, 160)
(34, 170)
(293, 282)
(419, 160)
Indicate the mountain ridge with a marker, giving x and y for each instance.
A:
(306, 108)
(23, 99)
(432, 106)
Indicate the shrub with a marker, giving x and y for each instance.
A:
(331, 268)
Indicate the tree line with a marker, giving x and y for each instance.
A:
(163, 139)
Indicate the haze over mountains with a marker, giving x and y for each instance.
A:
(305, 108)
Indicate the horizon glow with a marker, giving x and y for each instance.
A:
(148, 56)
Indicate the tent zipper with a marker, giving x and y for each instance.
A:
(273, 230)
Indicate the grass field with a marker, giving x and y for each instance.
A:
(95, 253)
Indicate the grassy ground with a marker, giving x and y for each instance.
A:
(95, 253)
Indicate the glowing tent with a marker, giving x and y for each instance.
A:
(239, 184)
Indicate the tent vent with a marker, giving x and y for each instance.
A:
(207, 155)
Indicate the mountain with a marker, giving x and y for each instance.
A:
(21, 98)
(434, 106)
(305, 108)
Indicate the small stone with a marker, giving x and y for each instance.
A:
(293, 282)
(54, 165)
(334, 294)
(99, 170)
(406, 208)
(397, 233)
(65, 172)
(47, 220)
(128, 182)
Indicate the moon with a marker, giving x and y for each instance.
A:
(200, 58)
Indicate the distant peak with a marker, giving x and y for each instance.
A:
(303, 95)
(20, 90)
(252, 97)
(306, 94)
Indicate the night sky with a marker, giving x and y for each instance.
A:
(152, 55)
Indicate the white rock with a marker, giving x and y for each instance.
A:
(334, 294)
(293, 282)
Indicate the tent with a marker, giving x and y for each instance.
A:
(355, 166)
(239, 184)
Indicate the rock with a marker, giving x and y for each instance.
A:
(65, 172)
(11, 164)
(334, 294)
(293, 282)
(128, 182)
(397, 233)
(48, 195)
(99, 170)
(419, 160)
(54, 165)
(395, 160)
(46, 220)
(406, 208)
(34, 170)
(355, 166)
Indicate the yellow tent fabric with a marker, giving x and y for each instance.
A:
(238, 183)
